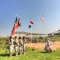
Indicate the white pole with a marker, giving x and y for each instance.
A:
(43, 27)
(21, 32)
(43, 23)
(31, 36)
(31, 33)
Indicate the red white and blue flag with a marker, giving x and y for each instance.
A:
(13, 31)
(16, 25)
(31, 23)
(42, 19)
(19, 24)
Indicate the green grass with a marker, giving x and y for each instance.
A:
(56, 38)
(33, 55)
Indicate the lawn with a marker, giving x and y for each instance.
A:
(33, 55)
(30, 55)
(56, 38)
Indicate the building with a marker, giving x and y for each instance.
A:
(56, 33)
(28, 34)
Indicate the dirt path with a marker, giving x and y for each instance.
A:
(42, 45)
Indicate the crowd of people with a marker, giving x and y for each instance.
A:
(18, 44)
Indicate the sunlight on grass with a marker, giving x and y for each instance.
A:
(33, 55)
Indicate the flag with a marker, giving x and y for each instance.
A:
(42, 19)
(19, 24)
(29, 26)
(13, 31)
(16, 20)
(16, 23)
(31, 23)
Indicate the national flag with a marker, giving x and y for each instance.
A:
(31, 23)
(29, 26)
(42, 19)
(13, 31)
(16, 23)
(16, 20)
(19, 24)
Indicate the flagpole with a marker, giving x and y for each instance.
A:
(31, 36)
(31, 23)
(20, 35)
(43, 24)
(43, 32)
(20, 29)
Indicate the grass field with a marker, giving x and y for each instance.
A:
(30, 55)
(33, 55)
(56, 38)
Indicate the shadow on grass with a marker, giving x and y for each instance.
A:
(45, 52)
(4, 55)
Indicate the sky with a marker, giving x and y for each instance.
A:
(29, 9)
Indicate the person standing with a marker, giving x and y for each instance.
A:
(24, 44)
(16, 45)
(11, 45)
(20, 45)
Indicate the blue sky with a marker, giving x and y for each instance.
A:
(29, 9)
